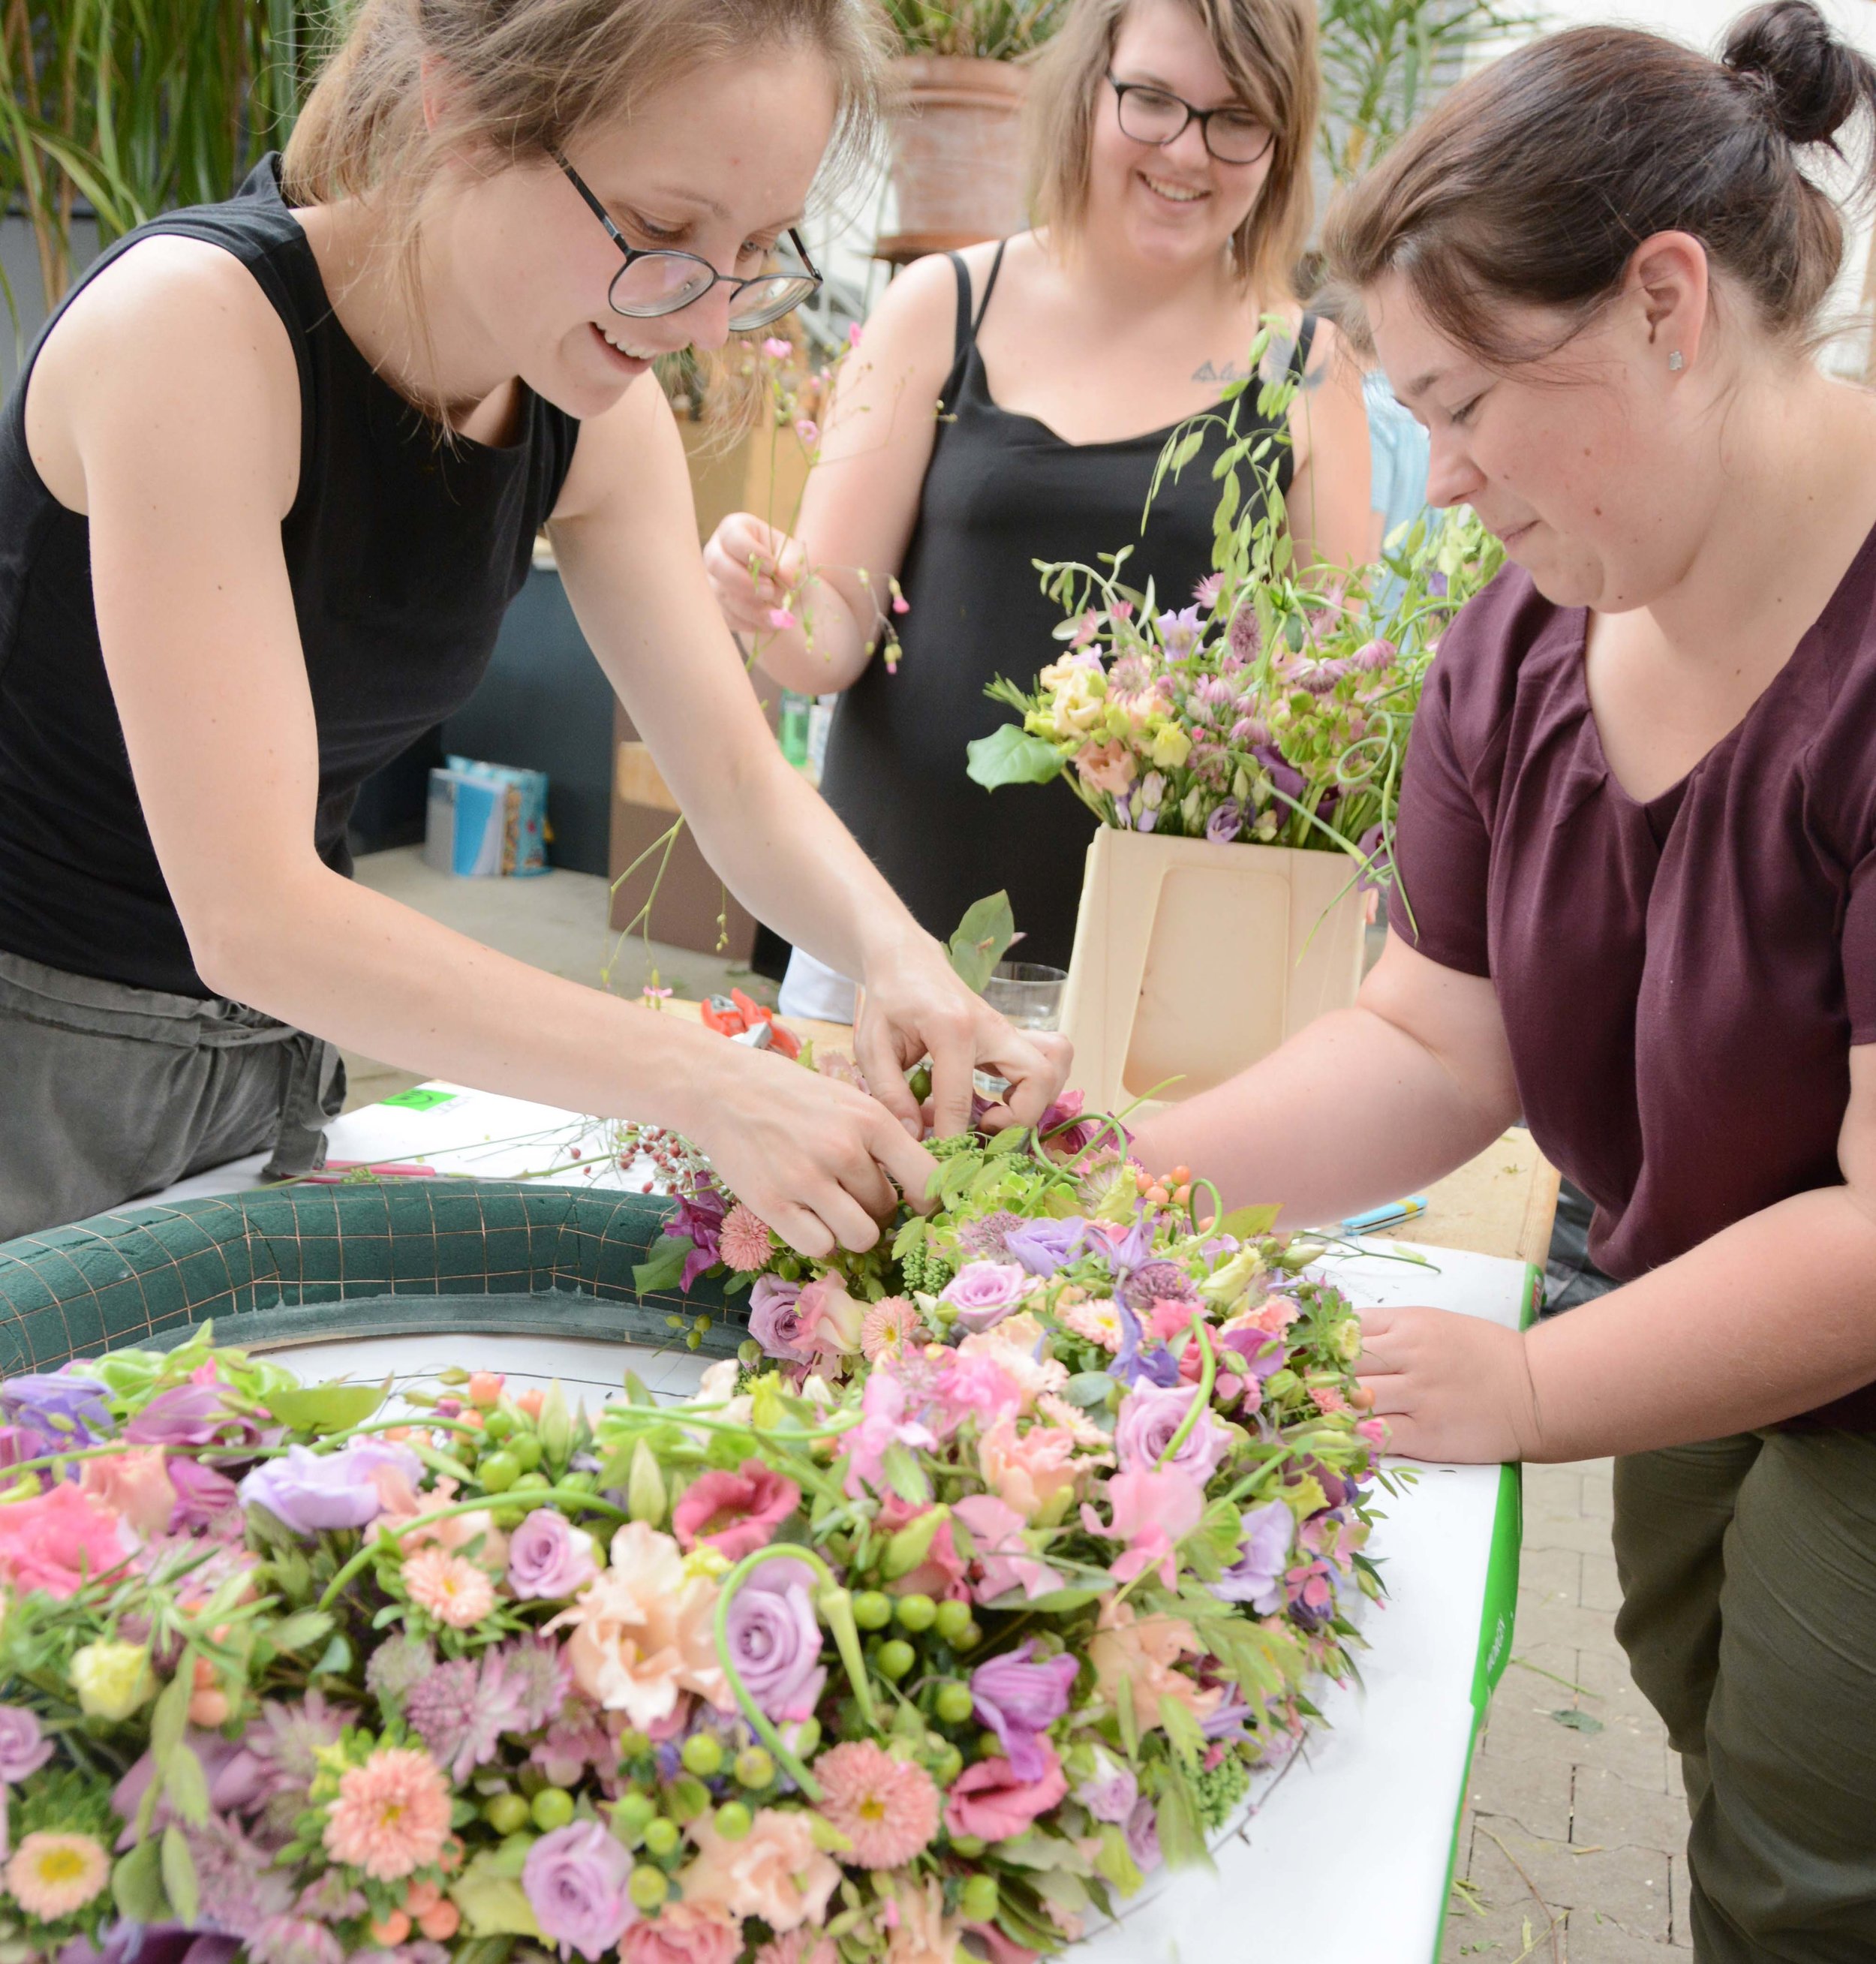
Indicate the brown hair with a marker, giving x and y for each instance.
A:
(1534, 181)
(1267, 50)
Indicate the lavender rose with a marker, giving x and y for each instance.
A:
(24, 1749)
(311, 1492)
(575, 1880)
(776, 1323)
(983, 1293)
(1256, 1576)
(1019, 1701)
(1110, 1793)
(1150, 1414)
(775, 1640)
(548, 1557)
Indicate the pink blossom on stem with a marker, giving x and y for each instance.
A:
(1154, 1509)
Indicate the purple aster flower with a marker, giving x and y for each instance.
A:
(62, 1410)
(775, 1320)
(774, 1639)
(1042, 1247)
(1019, 1701)
(1256, 1576)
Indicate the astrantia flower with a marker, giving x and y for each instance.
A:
(392, 1814)
(887, 1323)
(237, 1889)
(540, 1678)
(982, 1239)
(396, 1665)
(745, 1243)
(451, 1587)
(281, 1742)
(462, 1709)
(294, 1939)
(888, 1808)
(1156, 1281)
(53, 1876)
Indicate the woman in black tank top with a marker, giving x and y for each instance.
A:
(1174, 187)
(268, 480)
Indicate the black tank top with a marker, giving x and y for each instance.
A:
(1001, 491)
(403, 553)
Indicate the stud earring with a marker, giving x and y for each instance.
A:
(1676, 362)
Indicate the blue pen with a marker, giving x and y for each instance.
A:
(1386, 1214)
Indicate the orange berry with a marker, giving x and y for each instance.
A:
(1142, 1181)
(1181, 1196)
(484, 1387)
(391, 1930)
(1181, 1174)
(209, 1709)
(530, 1402)
(421, 1898)
(1158, 1195)
(471, 1419)
(440, 1924)
(204, 1673)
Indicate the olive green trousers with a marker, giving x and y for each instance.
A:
(1748, 1567)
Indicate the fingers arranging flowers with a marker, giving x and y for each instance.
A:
(983, 1583)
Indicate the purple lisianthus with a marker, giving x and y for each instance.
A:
(1110, 1794)
(1225, 822)
(575, 1880)
(1042, 1247)
(1143, 1836)
(1149, 1416)
(775, 1640)
(700, 1216)
(775, 1322)
(153, 1943)
(549, 1557)
(63, 1410)
(1256, 1576)
(312, 1491)
(202, 1494)
(24, 1748)
(1019, 1701)
(184, 1415)
(983, 1293)
(1262, 1353)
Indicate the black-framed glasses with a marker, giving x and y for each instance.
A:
(1156, 116)
(653, 283)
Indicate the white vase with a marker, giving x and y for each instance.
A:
(1192, 960)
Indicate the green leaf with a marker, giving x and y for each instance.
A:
(666, 1268)
(910, 1236)
(1186, 449)
(906, 1476)
(170, 1718)
(1010, 755)
(987, 929)
(295, 1633)
(1246, 1223)
(1088, 1389)
(1052, 1602)
(324, 1408)
(185, 1787)
(179, 1883)
(136, 1885)
(335, 1661)
(1579, 1721)
(636, 1393)
(1182, 1838)
(1183, 1732)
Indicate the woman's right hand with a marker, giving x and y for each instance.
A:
(813, 1157)
(754, 569)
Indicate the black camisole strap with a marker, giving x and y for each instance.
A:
(966, 332)
(1300, 354)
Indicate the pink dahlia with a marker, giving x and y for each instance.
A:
(745, 1242)
(887, 1807)
(392, 1816)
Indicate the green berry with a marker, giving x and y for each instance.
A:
(531, 1483)
(508, 1518)
(734, 1820)
(969, 1636)
(693, 1341)
(955, 1703)
(979, 1899)
(952, 1620)
(635, 1811)
(989, 1747)
(754, 1767)
(553, 1808)
(527, 1449)
(662, 1835)
(896, 1658)
(688, 1798)
(498, 1472)
(968, 1846)
(945, 1767)
(872, 1610)
(507, 1812)
(917, 1612)
(702, 1754)
(580, 1483)
(514, 1847)
(497, 1424)
(649, 1886)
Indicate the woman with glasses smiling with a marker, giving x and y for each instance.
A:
(1170, 144)
(267, 484)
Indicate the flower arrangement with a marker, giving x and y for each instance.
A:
(981, 1582)
(1275, 708)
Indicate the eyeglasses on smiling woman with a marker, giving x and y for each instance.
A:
(1156, 116)
(653, 283)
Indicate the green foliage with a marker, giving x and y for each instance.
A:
(987, 929)
(1000, 30)
(1007, 756)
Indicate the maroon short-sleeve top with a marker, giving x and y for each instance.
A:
(1681, 978)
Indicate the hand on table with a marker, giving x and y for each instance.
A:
(812, 1156)
(753, 569)
(1450, 1387)
(915, 1005)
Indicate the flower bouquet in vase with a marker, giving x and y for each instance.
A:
(1244, 753)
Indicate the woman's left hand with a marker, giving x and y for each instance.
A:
(914, 1006)
(1450, 1387)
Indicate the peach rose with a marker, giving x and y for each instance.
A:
(1027, 1471)
(136, 1483)
(775, 1872)
(1011, 1346)
(681, 1933)
(642, 1630)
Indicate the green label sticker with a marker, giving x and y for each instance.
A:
(419, 1099)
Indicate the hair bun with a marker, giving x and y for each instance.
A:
(1813, 81)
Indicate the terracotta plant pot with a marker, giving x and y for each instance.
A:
(957, 150)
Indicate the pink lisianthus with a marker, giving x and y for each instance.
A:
(974, 1386)
(883, 1423)
(682, 1934)
(1006, 1560)
(1012, 1347)
(1154, 1509)
(59, 1542)
(135, 1483)
(1109, 767)
(991, 1801)
(1166, 1320)
(775, 1872)
(735, 1512)
(1135, 1656)
(1027, 1471)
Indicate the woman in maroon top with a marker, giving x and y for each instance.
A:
(1638, 834)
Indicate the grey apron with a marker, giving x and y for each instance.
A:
(108, 1092)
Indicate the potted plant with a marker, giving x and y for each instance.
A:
(957, 157)
(1244, 753)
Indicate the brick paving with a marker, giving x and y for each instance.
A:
(1573, 1848)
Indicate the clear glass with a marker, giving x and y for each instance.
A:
(1150, 116)
(1029, 993)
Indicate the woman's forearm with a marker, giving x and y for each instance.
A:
(1771, 1318)
(831, 642)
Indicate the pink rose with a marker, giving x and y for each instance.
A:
(135, 1484)
(549, 1557)
(681, 1934)
(736, 1513)
(58, 1541)
(992, 1802)
(831, 1317)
